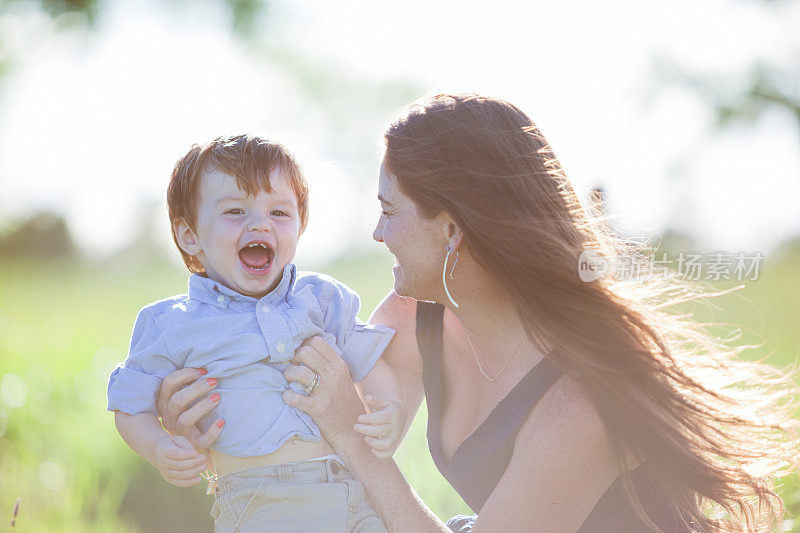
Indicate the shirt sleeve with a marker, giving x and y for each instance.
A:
(133, 385)
(361, 344)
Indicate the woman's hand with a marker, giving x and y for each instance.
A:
(179, 390)
(334, 404)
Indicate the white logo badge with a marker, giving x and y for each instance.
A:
(592, 266)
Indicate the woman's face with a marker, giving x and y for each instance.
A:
(414, 241)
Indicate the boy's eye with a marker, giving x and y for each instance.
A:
(279, 213)
(234, 211)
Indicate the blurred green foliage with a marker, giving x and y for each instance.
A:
(64, 324)
(56, 8)
(245, 14)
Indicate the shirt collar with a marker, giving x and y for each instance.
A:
(215, 293)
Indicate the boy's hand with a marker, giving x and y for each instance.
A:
(178, 461)
(383, 426)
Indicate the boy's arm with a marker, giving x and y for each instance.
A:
(175, 457)
(402, 354)
(132, 388)
(383, 428)
(359, 344)
(140, 432)
(380, 382)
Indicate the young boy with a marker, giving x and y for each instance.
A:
(238, 206)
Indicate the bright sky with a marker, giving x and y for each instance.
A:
(92, 125)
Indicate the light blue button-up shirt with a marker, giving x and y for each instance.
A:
(246, 343)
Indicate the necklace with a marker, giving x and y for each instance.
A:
(507, 360)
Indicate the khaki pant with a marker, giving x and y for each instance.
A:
(316, 495)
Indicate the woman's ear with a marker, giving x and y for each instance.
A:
(452, 231)
(187, 239)
(456, 236)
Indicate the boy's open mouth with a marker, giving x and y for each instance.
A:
(257, 257)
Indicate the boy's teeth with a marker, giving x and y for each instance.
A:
(254, 258)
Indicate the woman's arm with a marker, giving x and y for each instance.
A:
(387, 490)
(335, 407)
(390, 495)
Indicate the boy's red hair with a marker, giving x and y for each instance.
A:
(247, 158)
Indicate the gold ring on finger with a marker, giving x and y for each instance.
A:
(313, 384)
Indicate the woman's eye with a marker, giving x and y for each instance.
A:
(385, 213)
(234, 211)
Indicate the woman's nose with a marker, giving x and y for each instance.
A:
(377, 234)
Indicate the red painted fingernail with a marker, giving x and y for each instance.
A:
(214, 397)
(202, 371)
(211, 381)
(220, 423)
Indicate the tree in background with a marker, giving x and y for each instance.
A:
(44, 236)
(765, 83)
(740, 97)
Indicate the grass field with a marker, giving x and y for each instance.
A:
(63, 328)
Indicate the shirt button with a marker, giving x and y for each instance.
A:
(220, 298)
(281, 347)
(265, 309)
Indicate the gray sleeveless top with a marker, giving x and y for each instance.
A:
(480, 461)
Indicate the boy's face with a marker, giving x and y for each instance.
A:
(244, 242)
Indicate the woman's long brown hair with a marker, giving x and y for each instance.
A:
(711, 429)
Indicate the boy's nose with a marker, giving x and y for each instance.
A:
(259, 224)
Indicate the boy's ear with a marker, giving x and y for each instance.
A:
(187, 239)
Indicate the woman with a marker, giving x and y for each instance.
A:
(554, 404)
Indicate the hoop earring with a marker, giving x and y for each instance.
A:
(444, 271)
